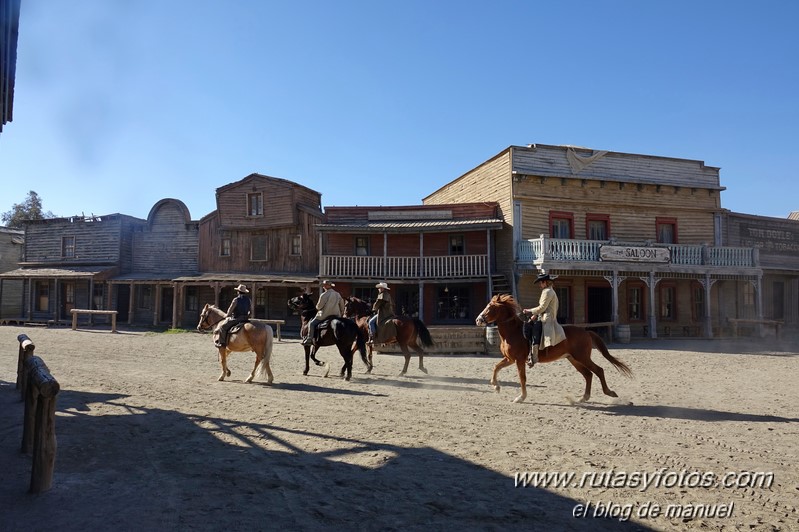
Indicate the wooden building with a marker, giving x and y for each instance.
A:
(634, 240)
(9, 35)
(776, 296)
(11, 247)
(438, 260)
(262, 235)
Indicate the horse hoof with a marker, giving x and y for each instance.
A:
(305, 372)
(221, 378)
(249, 380)
(612, 393)
(423, 370)
(519, 399)
(496, 388)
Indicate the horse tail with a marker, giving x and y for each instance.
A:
(360, 342)
(424, 334)
(623, 368)
(268, 344)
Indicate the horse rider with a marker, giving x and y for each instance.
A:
(330, 304)
(238, 312)
(383, 308)
(543, 329)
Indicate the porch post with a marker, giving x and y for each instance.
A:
(759, 304)
(653, 333)
(708, 318)
(156, 303)
(175, 300)
(131, 303)
(490, 279)
(57, 310)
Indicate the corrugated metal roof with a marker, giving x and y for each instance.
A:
(412, 225)
(224, 277)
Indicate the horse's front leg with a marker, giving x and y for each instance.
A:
(420, 352)
(223, 362)
(504, 363)
(407, 355)
(307, 360)
(520, 367)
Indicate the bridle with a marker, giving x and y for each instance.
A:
(513, 316)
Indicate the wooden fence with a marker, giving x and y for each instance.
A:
(39, 390)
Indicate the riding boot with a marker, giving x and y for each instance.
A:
(532, 358)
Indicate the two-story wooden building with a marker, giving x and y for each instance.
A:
(632, 239)
(261, 234)
(438, 260)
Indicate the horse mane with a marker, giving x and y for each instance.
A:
(507, 300)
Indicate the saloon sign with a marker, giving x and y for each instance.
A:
(634, 253)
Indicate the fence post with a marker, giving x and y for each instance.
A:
(38, 433)
(26, 348)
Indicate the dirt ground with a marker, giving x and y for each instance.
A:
(148, 439)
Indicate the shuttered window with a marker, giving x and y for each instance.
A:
(258, 248)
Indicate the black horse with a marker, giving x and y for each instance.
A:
(341, 332)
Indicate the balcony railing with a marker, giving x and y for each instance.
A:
(537, 250)
(441, 267)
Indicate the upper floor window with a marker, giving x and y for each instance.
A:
(456, 245)
(224, 246)
(296, 245)
(561, 224)
(258, 248)
(67, 246)
(362, 246)
(597, 226)
(255, 204)
(666, 230)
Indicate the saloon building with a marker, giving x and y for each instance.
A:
(634, 240)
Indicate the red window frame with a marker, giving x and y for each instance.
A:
(561, 215)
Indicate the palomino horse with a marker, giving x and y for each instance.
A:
(341, 332)
(408, 331)
(256, 337)
(504, 311)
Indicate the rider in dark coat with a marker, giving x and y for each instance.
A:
(238, 312)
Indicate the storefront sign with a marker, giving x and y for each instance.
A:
(634, 253)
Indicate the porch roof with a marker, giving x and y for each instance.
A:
(242, 277)
(63, 272)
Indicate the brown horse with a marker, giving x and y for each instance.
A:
(408, 331)
(256, 337)
(505, 312)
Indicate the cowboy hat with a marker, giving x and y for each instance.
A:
(327, 282)
(543, 277)
(242, 289)
(382, 285)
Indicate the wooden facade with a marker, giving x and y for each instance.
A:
(568, 209)
(437, 260)
(11, 247)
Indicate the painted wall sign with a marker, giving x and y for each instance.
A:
(634, 253)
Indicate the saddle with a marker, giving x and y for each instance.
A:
(386, 331)
(322, 327)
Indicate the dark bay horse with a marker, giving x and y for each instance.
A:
(505, 312)
(408, 331)
(253, 336)
(341, 332)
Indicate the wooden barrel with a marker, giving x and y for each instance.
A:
(492, 341)
(623, 333)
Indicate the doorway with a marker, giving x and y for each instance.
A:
(599, 304)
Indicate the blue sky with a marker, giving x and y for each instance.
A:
(121, 103)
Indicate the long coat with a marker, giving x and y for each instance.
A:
(384, 307)
(330, 304)
(547, 310)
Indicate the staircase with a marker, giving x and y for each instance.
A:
(500, 284)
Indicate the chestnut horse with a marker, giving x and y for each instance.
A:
(252, 336)
(505, 312)
(408, 331)
(344, 333)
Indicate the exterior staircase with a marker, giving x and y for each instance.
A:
(500, 284)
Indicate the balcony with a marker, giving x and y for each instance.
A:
(441, 267)
(538, 250)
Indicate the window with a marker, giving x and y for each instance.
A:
(635, 302)
(296, 245)
(456, 245)
(564, 304)
(69, 296)
(597, 226)
(255, 204)
(260, 303)
(666, 230)
(224, 246)
(68, 246)
(697, 301)
(192, 299)
(144, 297)
(258, 248)
(42, 291)
(668, 302)
(362, 246)
(561, 224)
